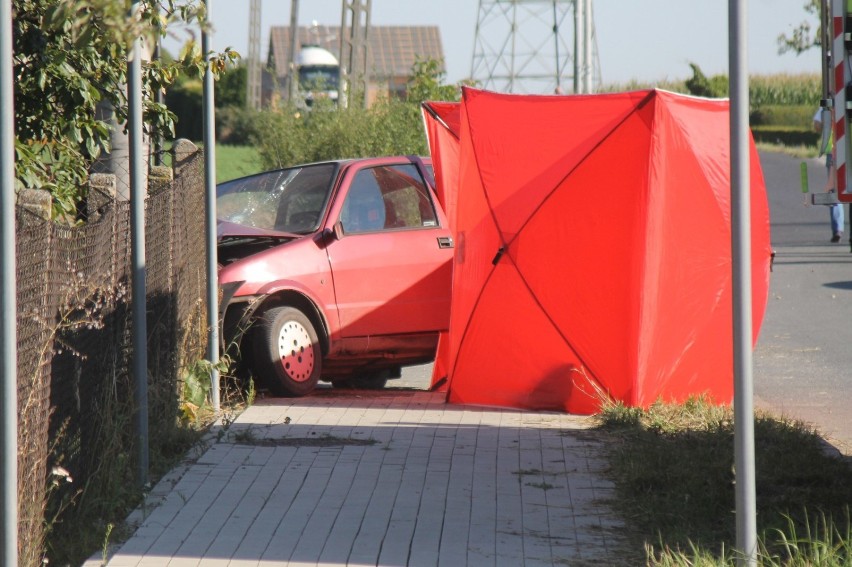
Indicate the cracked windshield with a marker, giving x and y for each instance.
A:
(286, 200)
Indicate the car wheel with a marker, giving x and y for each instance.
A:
(287, 352)
(375, 380)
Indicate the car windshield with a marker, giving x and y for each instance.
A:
(285, 200)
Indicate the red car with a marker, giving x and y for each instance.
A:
(338, 271)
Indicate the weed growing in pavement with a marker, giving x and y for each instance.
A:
(673, 470)
(105, 547)
(245, 437)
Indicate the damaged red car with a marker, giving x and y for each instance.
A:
(337, 271)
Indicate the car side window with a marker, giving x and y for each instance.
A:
(387, 198)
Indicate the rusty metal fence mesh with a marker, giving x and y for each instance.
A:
(75, 389)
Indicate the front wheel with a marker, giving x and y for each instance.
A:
(287, 352)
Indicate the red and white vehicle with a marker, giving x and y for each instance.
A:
(339, 271)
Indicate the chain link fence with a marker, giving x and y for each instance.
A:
(76, 403)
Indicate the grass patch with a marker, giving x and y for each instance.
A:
(673, 467)
(236, 161)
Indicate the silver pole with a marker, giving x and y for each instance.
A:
(741, 273)
(210, 210)
(8, 299)
(137, 251)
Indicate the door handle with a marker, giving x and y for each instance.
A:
(445, 242)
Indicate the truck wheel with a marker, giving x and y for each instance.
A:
(287, 352)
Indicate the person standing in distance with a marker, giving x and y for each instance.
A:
(835, 210)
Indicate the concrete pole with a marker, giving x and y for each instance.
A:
(8, 301)
(292, 71)
(210, 210)
(578, 45)
(558, 89)
(587, 47)
(741, 273)
(138, 191)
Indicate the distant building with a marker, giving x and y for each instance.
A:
(392, 51)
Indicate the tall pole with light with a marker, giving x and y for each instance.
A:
(741, 275)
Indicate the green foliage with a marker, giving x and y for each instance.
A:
(802, 39)
(700, 85)
(797, 116)
(230, 89)
(197, 382)
(288, 135)
(70, 68)
(785, 136)
(184, 99)
(634, 85)
(673, 469)
(55, 166)
(427, 83)
(235, 125)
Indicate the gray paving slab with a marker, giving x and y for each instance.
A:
(392, 478)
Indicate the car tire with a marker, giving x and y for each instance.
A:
(375, 380)
(288, 355)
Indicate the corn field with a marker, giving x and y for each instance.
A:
(785, 90)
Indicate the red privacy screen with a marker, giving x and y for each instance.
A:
(593, 248)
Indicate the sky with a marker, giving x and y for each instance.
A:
(642, 40)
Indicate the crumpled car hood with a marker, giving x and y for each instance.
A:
(237, 241)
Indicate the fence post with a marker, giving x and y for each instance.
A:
(183, 151)
(37, 203)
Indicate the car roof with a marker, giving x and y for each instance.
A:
(342, 163)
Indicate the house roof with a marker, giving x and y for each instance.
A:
(392, 49)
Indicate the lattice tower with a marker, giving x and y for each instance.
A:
(253, 77)
(536, 47)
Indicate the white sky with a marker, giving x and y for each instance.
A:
(647, 40)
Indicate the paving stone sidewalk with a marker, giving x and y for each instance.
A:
(393, 477)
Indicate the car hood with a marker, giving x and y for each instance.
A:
(225, 229)
(237, 241)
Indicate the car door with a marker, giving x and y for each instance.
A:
(392, 262)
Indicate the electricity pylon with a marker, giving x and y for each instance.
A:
(253, 64)
(534, 47)
(354, 51)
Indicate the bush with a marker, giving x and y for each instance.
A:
(287, 135)
(236, 125)
(785, 136)
(798, 116)
(184, 100)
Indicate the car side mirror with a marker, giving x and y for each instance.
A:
(335, 232)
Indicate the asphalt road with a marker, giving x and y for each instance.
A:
(803, 359)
